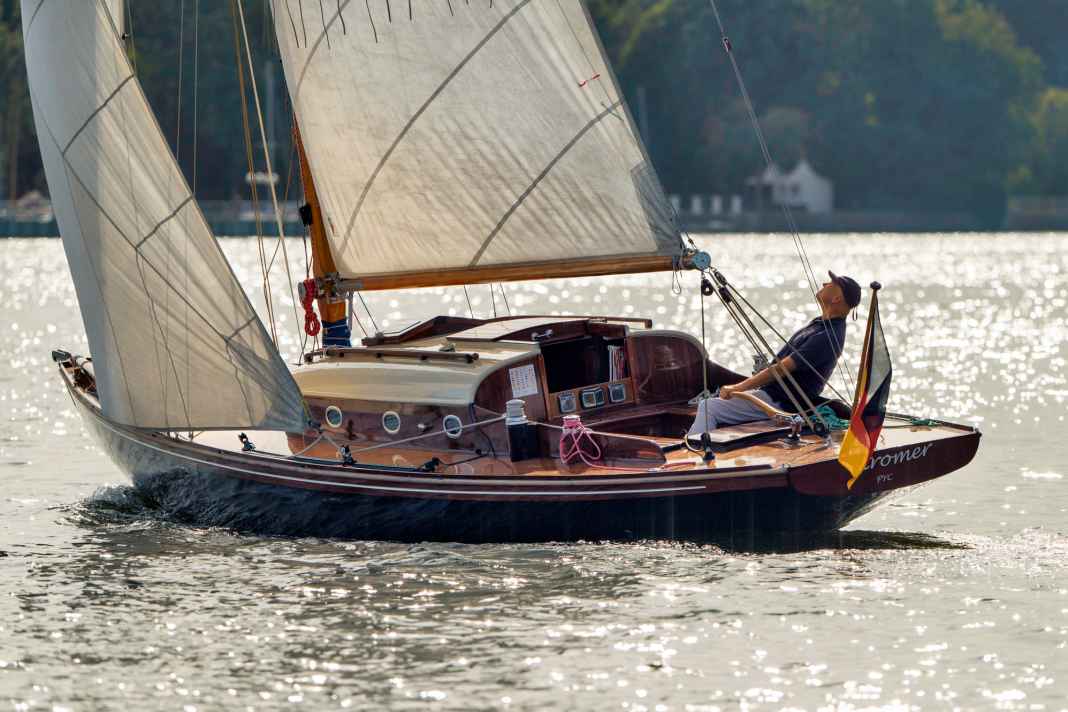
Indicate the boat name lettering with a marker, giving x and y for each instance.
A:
(896, 458)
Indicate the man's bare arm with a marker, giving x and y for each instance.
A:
(759, 380)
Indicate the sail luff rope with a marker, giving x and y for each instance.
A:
(799, 244)
(178, 159)
(270, 171)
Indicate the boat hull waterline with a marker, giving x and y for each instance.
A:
(274, 494)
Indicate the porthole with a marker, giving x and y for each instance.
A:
(391, 422)
(334, 416)
(453, 426)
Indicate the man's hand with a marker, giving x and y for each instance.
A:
(727, 392)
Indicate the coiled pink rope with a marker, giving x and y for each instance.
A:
(576, 441)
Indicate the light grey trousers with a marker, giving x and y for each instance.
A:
(715, 412)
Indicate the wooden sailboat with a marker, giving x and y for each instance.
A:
(445, 144)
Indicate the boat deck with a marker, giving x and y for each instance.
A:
(770, 454)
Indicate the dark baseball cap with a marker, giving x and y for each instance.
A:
(850, 288)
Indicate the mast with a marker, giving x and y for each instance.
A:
(337, 331)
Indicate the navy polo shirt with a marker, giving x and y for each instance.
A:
(815, 348)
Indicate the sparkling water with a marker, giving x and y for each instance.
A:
(954, 596)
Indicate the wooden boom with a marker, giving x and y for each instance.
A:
(588, 267)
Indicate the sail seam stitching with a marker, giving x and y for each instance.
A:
(163, 222)
(537, 181)
(238, 330)
(95, 113)
(32, 19)
(126, 239)
(225, 339)
(422, 109)
(166, 348)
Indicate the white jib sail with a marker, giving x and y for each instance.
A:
(452, 134)
(175, 342)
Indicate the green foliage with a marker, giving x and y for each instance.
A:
(16, 121)
(905, 104)
(1040, 26)
(915, 104)
(1049, 160)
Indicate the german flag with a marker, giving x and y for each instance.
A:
(869, 404)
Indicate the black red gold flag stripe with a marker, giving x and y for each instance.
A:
(869, 404)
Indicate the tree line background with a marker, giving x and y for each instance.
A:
(943, 105)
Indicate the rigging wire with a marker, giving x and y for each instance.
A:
(181, 76)
(806, 263)
(178, 159)
(130, 36)
(367, 309)
(254, 186)
(504, 296)
(738, 295)
(470, 309)
(760, 345)
(270, 170)
(196, 88)
(704, 365)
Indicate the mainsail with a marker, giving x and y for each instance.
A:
(448, 139)
(175, 342)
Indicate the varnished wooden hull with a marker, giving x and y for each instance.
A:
(278, 495)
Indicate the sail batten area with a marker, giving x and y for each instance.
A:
(175, 342)
(454, 136)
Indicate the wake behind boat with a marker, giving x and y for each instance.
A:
(457, 144)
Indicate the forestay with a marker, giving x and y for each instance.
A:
(175, 342)
(118, 13)
(469, 135)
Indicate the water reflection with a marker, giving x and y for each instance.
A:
(953, 597)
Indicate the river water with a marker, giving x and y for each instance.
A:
(952, 597)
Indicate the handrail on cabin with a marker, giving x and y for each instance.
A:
(449, 325)
(415, 354)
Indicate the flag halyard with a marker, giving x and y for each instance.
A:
(869, 404)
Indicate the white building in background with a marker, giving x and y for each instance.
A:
(801, 189)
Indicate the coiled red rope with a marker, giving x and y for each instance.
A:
(312, 325)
